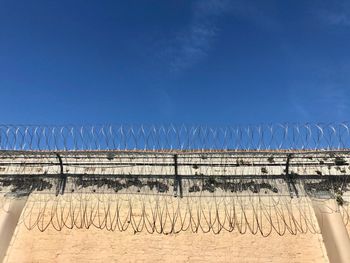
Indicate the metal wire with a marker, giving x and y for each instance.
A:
(168, 179)
(171, 137)
(166, 215)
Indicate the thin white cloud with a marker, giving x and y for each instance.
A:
(194, 43)
(328, 99)
(336, 13)
(339, 19)
(299, 107)
(336, 99)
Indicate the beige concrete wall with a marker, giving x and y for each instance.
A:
(333, 230)
(10, 212)
(95, 245)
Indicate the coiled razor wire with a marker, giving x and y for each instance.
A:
(166, 215)
(163, 214)
(123, 178)
(172, 137)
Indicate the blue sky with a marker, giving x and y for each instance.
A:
(176, 61)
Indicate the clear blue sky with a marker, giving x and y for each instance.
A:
(176, 61)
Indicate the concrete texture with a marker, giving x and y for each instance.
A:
(333, 230)
(10, 213)
(95, 245)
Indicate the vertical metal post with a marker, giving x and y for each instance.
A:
(177, 179)
(63, 180)
(290, 180)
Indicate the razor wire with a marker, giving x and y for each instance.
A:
(165, 215)
(256, 211)
(257, 178)
(310, 136)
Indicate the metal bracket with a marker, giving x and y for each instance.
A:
(177, 179)
(290, 179)
(61, 185)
